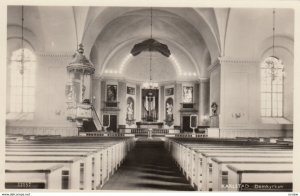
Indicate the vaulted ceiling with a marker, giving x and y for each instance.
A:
(196, 37)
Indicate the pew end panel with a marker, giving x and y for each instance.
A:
(260, 177)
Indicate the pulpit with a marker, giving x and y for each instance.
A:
(79, 108)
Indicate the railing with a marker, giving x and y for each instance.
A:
(96, 119)
(144, 131)
(139, 132)
(190, 135)
(102, 134)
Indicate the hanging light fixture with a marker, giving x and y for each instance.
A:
(22, 59)
(273, 63)
(150, 44)
(150, 84)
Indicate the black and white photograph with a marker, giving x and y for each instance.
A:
(195, 97)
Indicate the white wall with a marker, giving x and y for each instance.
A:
(50, 106)
(177, 106)
(247, 42)
(215, 86)
(240, 101)
(123, 102)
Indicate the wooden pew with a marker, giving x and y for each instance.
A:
(260, 177)
(111, 154)
(190, 154)
(86, 170)
(102, 155)
(188, 160)
(205, 163)
(71, 164)
(220, 170)
(34, 175)
(185, 155)
(114, 155)
(116, 149)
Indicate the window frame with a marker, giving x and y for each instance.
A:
(24, 91)
(272, 92)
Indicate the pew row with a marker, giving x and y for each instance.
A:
(220, 171)
(87, 166)
(195, 160)
(260, 177)
(34, 175)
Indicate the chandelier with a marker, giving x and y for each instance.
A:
(273, 63)
(150, 45)
(22, 59)
(150, 84)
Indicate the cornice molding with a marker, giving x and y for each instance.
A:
(123, 79)
(57, 55)
(136, 82)
(230, 60)
(237, 60)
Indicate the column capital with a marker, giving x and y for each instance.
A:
(203, 80)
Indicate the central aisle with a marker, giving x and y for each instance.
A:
(148, 167)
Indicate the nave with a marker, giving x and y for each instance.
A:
(148, 167)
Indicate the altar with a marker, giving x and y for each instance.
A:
(149, 125)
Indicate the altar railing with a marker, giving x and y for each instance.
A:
(190, 135)
(101, 134)
(144, 131)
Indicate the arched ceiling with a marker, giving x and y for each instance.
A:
(185, 41)
(200, 19)
(195, 36)
(121, 63)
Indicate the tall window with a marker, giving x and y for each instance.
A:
(22, 82)
(272, 87)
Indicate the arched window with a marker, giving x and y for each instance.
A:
(22, 81)
(272, 87)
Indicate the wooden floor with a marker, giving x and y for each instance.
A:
(148, 167)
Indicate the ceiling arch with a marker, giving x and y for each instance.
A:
(181, 59)
(186, 15)
(134, 26)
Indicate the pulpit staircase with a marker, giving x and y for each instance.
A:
(94, 124)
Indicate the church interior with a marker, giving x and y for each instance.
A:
(149, 98)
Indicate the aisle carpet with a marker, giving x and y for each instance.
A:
(148, 167)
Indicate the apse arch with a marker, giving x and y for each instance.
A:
(196, 63)
(189, 15)
(131, 42)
